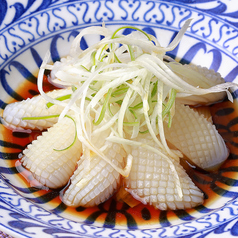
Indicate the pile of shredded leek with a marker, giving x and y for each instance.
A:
(122, 83)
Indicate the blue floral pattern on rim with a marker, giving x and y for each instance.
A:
(25, 27)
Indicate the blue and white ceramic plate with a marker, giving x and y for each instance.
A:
(29, 28)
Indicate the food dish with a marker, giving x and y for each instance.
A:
(211, 38)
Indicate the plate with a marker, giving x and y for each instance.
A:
(28, 29)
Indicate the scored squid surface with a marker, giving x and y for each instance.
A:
(196, 137)
(152, 181)
(94, 181)
(204, 79)
(33, 107)
(49, 159)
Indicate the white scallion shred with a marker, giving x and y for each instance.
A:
(122, 83)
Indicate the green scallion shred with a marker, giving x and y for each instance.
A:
(131, 53)
(104, 107)
(119, 102)
(53, 116)
(170, 103)
(102, 56)
(137, 106)
(116, 58)
(144, 132)
(87, 98)
(93, 58)
(120, 91)
(154, 89)
(94, 89)
(40, 118)
(74, 88)
(75, 136)
(85, 68)
(130, 27)
(170, 120)
(133, 113)
(61, 98)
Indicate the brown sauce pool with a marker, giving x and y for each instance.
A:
(113, 213)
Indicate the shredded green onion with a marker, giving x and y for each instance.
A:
(93, 58)
(104, 107)
(123, 85)
(154, 90)
(130, 27)
(62, 98)
(120, 91)
(75, 136)
(169, 103)
(40, 118)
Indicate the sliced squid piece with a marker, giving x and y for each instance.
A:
(205, 111)
(33, 107)
(152, 180)
(196, 137)
(198, 76)
(53, 156)
(95, 180)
